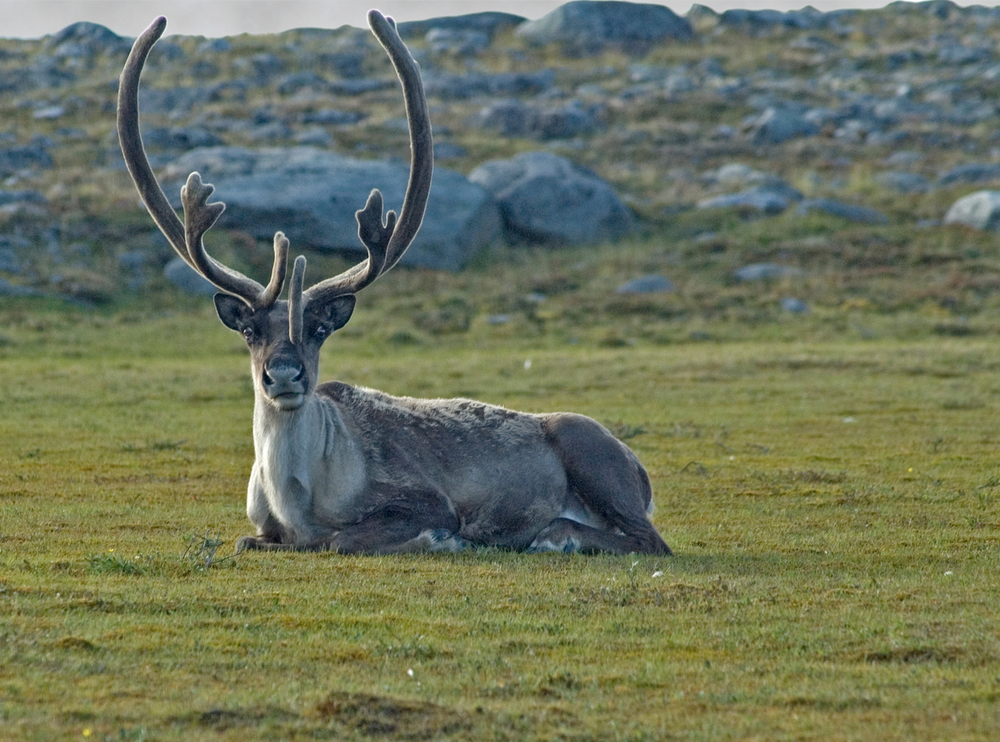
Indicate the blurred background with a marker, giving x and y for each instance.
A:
(33, 18)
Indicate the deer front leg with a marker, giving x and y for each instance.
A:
(404, 521)
(260, 543)
(270, 535)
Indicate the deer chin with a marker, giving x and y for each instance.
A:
(288, 402)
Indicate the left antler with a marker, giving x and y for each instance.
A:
(199, 215)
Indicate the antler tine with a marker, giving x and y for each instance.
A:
(274, 285)
(295, 314)
(199, 215)
(386, 242)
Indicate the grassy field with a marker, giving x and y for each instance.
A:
(827, 479)
(832, 504)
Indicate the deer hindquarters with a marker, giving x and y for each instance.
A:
(609, 480)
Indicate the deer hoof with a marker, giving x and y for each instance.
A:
(253, 543)
(441, 539)
(568, 545)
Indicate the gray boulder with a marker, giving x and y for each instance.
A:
(547, 200)
(9, 289)
(179, 137)
(777, 125)
(841, 210)
(973, 173)
(25, 157)
(457, 43)
(902, 181)
(794, 306)
(980, 210)
(8, 261)
(765, 272)
(511, 118)
(311, 195)
(87, 39)
(489, 23)
(452, 86)
(757, 21)
(22, 197)
(652, 284)
(332, 117)
(177, 100)
(187, 279)
(755, 200)
(735, 173)
(594, 26)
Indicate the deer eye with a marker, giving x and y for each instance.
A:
(248, 333)
(321, 333)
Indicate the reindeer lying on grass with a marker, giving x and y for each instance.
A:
(358, 471)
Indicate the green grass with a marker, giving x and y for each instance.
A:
(829, 481)
(832, 503)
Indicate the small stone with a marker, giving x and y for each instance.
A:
(654, 284)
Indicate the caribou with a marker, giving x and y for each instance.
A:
(355, 470)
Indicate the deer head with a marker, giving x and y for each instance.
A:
(284, 337)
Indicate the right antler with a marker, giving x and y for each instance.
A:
(385, 242)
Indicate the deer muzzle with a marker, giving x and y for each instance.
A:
(285, 381)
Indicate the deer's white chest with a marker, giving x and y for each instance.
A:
(309, 469)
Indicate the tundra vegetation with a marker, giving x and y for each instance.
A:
(827, 479)
(831, 500)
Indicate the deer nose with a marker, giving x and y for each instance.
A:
(283, 376)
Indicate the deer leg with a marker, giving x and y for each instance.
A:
(409, 522)
(261, 543)
(567, 536)
(607, 477)
(271, 535)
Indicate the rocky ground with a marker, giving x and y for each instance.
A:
(569, 130)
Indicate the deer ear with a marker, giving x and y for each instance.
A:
(332, 314)
(234, 312)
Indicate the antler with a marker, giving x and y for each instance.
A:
(199, 215)
(387, 241)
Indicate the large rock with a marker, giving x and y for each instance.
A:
(312, 195)
(187, 279)
(756, 21)
(87, 39)
(979, 210)
(546, 199)
(596, 25)
(489, 22)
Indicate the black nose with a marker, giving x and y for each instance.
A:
(284, 375)
(293, 373)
